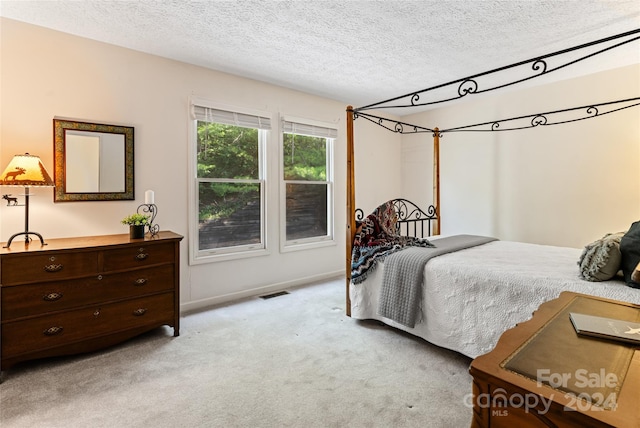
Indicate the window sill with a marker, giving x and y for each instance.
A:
(291, 247)
(203, 258)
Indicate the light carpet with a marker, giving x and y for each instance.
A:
(290, 361)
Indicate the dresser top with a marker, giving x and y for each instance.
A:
(19, 246)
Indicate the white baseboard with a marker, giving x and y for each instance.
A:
(254, 292)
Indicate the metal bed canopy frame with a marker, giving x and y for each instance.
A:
(457, 89)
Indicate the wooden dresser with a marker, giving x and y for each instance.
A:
(82, 294)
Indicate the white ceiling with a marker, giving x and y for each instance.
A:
(357, 52)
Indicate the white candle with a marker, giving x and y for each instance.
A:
(148, 197)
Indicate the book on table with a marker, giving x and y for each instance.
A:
(606, 328)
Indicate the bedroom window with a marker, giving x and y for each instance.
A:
(307, 184)
(229, 190)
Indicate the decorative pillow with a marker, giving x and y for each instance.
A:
(630, 249)
(600, 260)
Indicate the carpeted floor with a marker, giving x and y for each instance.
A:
(290, 361)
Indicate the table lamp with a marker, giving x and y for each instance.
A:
(25, 170)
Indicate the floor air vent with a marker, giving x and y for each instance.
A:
(278, 294)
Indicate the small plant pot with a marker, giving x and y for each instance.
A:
(136, 232)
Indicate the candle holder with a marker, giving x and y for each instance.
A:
(152, 210)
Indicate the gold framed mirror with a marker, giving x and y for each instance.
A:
(93, 162)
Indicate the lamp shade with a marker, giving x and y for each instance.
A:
(25, 170)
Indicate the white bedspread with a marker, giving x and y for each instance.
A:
(472, 296)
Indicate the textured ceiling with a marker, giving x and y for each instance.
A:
(357, 52)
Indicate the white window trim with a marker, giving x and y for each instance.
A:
(197, 256)
(314, 242)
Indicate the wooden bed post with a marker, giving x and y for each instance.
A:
(351, 203)
(436, 178)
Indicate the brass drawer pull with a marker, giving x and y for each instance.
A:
(52, 297)
(52, 331)
(53, 268)
(139, 312)
(140, 281)
(142, 256)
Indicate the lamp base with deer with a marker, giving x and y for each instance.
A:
(26, 232)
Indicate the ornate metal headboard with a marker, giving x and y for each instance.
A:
(412, 220)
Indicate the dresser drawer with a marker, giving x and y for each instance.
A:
(34, 299)
(47, 267)
(54, 330)
(137, 256)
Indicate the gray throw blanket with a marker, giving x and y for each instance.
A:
(400, 293)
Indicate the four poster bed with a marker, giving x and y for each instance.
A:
(462, 292)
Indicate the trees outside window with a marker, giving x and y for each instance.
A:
(230, 181)
(228, 196)
(307, 159)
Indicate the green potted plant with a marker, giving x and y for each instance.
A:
(137, 223)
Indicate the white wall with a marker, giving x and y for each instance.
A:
(378, 162)
(47, 74)
(561, 185)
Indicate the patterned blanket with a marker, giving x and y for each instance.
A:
(376, 238)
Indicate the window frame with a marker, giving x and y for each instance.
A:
(316, 241)
(197, 256)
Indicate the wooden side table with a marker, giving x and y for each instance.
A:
(542, 374)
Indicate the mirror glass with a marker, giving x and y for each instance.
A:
(93, 162)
